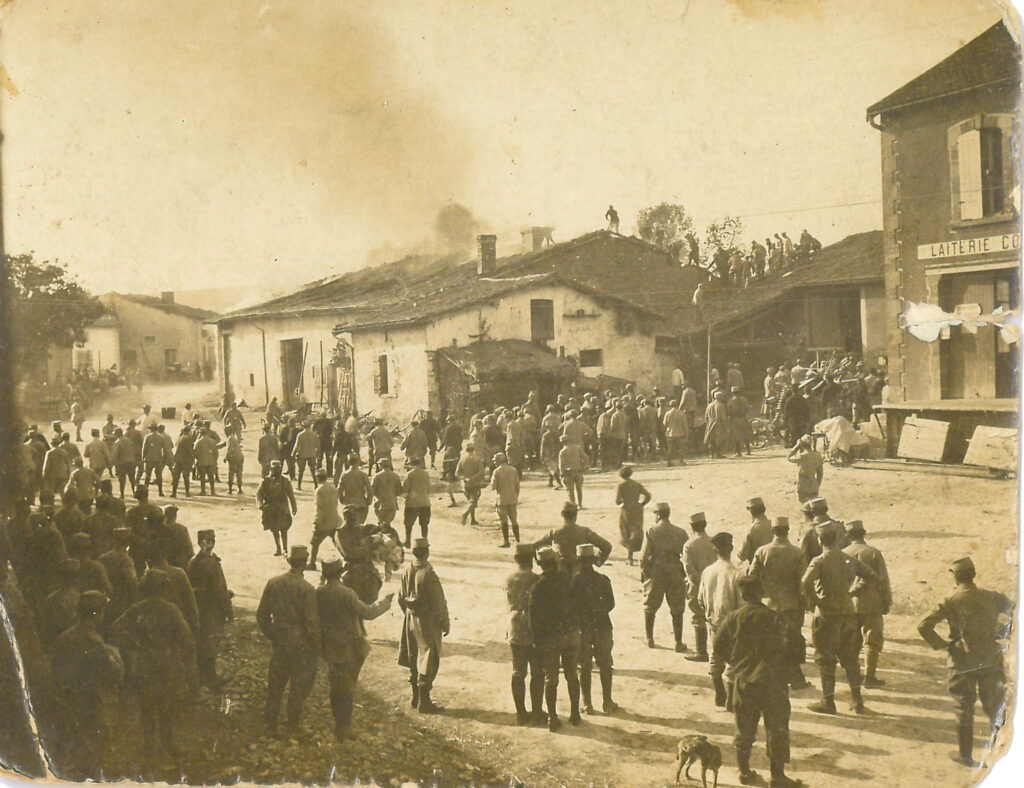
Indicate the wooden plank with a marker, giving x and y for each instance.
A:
(923, 439)
(993, 447)
(938, 468)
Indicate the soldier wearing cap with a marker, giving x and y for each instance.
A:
(83, 482)
(978, 619)
(100, 526)
(213, 605)
(179, 543)
(69, 518)
(525, 655)
(205, 450)
(343, 643)
(471, 471)
(592, 598)
(834, 630)
(569, 535)
(155, 640)
(353, 541)
(276, 500)
(326, 520)
(354, 487)
(144, 518)
(153, 458)
(91, 574)
(416, 489)
(87, 671)
(421, 598)
(572, 464)
(779, 566)
(287, 617)
(816, 518)
(758, 648)
(631, 497)
(127, 452)
(59, 611)
(871, 600)
(663, 574)
(698, 555)
(810, 468)
(268, 448)
(386, 488)
(719, 595)
(760, 532)
(183, 462)
(556, 634)
(179, 589)
(124, 580)
(505, 483)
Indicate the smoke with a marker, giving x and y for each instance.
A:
(453, 233)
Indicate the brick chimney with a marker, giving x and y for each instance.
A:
(533, 239)
(167, 296)
(487, 261)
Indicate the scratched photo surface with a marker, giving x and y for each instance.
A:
(543, 394)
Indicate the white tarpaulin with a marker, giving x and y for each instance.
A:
(840, 434)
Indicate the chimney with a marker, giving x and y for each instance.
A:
(488, 254)
(534, 238)
(167, 296)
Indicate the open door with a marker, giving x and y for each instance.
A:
(291, 369)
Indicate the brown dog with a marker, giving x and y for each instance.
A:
(697, 747)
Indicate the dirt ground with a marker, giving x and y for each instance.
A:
(920, 521)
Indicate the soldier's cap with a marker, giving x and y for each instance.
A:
(94, 433)
(780, 523)
(91, 602)
(420, 542)
(855, 527)
(298, 551)
(384, 463)
(523, 551)
(170, 509)
(68, 566)
(206, 533)
(722, 538)
(275, 463)
(55, 424)
(321, 476)
(962, 563)
(132, 422)
(546, 555)
(122, 533)
(818, 505)
(755, 501)
(822, 518)
(332, 567)
(81, 540)
(353, 459)
(349, 508)
(807, 507)
(698, 517)
(77, 461)
(586, 550)
(569, 508)
(662, 508)
(748, 583)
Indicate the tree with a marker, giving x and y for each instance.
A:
(48, 310)
(665, 226)
(726, 232)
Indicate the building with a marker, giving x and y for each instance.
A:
(950, 143)
(372, 341)
(156, 336)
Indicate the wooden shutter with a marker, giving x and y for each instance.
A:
(968, 146)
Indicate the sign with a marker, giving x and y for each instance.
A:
(964, 247)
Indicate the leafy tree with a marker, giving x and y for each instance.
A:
(47, 310)
(665, 226)
(726, 232)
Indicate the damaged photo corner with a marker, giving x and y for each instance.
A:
(453, 393)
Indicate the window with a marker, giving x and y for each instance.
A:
(542, 320)
(592, 358)
(981, 168)
(252, 380)
(170, 356)
(380, 377)
(150, 340)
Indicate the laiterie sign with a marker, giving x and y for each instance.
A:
(964, 247)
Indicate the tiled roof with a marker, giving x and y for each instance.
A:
(506, 358)
(158, 303)
(106, 320)
(989, 59)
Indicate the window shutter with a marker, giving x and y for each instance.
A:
(968, 147)
(1010, 152)
(376, 377)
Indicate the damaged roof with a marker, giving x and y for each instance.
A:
(507, 358)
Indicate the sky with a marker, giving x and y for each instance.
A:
(254, 143)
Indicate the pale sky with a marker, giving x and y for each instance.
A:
(192, 144)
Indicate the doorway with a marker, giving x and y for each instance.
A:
(291, 369)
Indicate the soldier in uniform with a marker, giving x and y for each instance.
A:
(525, 655)
(760, 532)
(505, 483)
(756, 645)
(59, 611)
(470, 470)
(343, 643)
(92, 576)
(213, 604)
(834, 630)
(326, 519)
(386, 488)
(124, 582)
(718, 596)
(144, 519)
(153, 459)
(276, 500)
(810, 468)
(179, 543)
(663, 574)
(631, 497)
(555, 634)
(421, 598)
(779, 566)
(354, 487)
(184, 460)
(978, 619)
(871, 600)
(268, 449)
(698, 555)
(566, 538)
(287, 617)
(592, 598)
(87, 671)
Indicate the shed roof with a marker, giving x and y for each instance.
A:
(507, 358)
(991, 58)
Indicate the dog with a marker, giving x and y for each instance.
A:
(697, 747)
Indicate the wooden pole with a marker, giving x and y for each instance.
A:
(709, 365)
(321, 373)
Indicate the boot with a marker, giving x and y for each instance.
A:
(870, 666)
(677, 630)
(857, 700)
(827, 704)
(426, 705)
(585, 677)
(414, 681)
(720, 694)
(730, 687)
(747, 775)
(779, 778)
(607, 704)
(519, 699)
(965, 742)
(649, 628)
(551, 696)
(701, 636)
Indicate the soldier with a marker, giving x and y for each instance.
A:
(92, 576)
(978, 619)
(56, 470)
(834, 629)
(69, 517)
(153, 458)
(572, 464)
(566, 538)
(379, 442)
(124, 581)
(817, 518)
(213, 605)
(179, 588)
(276, 500)
(343, 643)
(353, 541)
(592, 598)
(779, 567)
(100, 526)
(306, 451)
(354, 487)
(555, 634)
(83, 482)
(525, 655)
(471, 471)
(268, 448)
(326, 520)
(155, 640)
(59, 611)
(179, 543)
(105, 489)
(287, 617)
(677, 431)
(386, 488)
(810, 469)
(97, 455)
(143, 518)
(755, 644)
(631, 497)
(416, 489)
(760, 532)
(233, 420)
(415, 443)
(235, 460)
(183, 462)
(88, 672)
(719, 595)
(663, 574)
(871, 600)
(205, 450)
(505, 483)
(126, 456)
(698, 555)
(426, 623)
